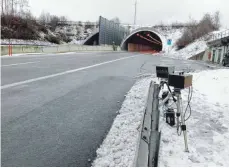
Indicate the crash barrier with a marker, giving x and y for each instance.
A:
(53, 49)
(149, 142)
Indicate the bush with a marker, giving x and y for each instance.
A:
(52, 39)
(18, 28)
(196, 30)
(63, 36)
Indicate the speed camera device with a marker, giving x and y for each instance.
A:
(164, 71)
(180, 81)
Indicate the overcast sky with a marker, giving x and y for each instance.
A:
(148, 11)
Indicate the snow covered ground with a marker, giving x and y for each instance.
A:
(198, 46)
(74, 41)
(171, 33)
(120, 145)
(190, 50)
(25, 42)
(208, 127)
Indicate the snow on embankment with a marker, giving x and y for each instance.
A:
(208, 126)
(169, 33)
(25, 42)
(198, 46)
(190, 50)
(120, 145)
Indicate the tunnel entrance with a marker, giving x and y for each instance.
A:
(143, 41)
(93, 40)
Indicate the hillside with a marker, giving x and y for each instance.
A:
(23, 31)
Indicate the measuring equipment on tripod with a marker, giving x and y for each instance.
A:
(179, 81)
(163, 71)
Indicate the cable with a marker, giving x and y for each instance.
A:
(171, 92)
(188, 105)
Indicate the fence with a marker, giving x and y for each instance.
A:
(219, 35)
(110, 32)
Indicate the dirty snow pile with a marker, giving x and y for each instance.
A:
(120, 145)
(208, 127)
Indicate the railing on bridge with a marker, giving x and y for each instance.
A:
(219, 35)
(77, 23)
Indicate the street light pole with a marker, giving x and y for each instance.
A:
(135, 12)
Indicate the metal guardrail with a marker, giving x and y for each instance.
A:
(149, 142)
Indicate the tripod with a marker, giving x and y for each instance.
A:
(180, 120)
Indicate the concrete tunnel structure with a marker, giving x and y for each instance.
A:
(144, 39)
(93, 39)
(140, 40)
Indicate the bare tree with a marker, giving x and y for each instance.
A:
(45, 17)
(80, 23)
(89, 25)
(116, 20)
(54, 22)
(14, 7)
(63, 18)
(217, 23)
(201, 29)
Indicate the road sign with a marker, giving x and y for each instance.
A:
(169, 42)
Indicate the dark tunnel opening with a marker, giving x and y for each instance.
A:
(143, 41)
(94, 40)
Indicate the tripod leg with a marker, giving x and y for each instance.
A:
(178, 112)
(183, 126)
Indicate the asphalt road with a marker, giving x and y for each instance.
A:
(57, 109)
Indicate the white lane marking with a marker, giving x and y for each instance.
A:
(19, 64)
(63, 73)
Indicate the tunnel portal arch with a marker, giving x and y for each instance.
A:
(93, 39)
(144, 39)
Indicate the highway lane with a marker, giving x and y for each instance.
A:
(62, 120)
(15, 69)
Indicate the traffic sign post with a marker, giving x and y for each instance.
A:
(169, 42)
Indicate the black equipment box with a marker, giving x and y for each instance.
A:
(180, 81)
(170, 117)
(163, 71)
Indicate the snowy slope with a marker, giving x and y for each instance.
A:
(198, 46)
(25, 42)
(208, 127)
(190, 50)
(171, 33)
